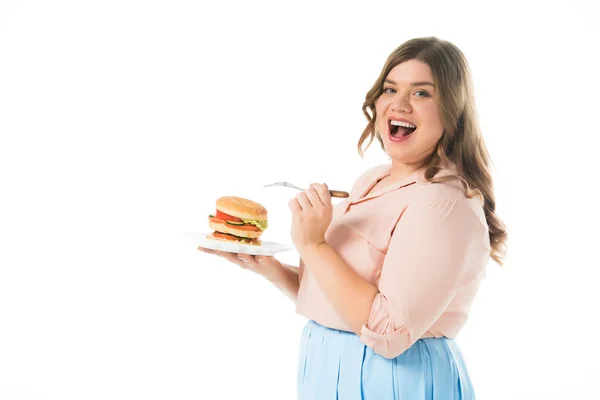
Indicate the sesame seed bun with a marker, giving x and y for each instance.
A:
(242, 208)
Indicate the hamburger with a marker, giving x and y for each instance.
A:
(238, 220)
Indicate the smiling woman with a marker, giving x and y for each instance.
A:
(425, 86)
(431, 212)
(396, 99)
(387, 277)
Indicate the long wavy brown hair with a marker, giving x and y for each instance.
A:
(462, 142)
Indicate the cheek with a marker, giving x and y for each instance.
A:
(380, 107)
(434, 122)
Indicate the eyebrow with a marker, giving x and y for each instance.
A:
(424, 83)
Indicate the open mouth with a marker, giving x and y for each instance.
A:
(401, 129)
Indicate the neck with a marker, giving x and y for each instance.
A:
(402, 170)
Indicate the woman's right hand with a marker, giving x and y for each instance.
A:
(266, 266)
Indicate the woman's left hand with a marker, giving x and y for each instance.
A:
(311, 215)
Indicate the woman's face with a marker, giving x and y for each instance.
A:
(408, 118)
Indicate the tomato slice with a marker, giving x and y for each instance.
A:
(216, 220)
(227, 217)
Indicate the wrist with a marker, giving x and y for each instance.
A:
(308, 250)
(279, 275)
(287, 280)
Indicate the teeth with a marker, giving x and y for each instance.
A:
(401, 123)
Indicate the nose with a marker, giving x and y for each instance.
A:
(401, 104)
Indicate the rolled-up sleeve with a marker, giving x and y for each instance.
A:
(432, 247)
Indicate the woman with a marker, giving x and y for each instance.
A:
(387, 277)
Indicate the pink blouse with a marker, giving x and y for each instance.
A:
(424, 246)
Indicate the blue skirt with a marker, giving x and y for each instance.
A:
(336, 365)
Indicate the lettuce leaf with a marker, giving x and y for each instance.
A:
(262, 225)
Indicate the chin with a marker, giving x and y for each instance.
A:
(400, 153)
(409, 151)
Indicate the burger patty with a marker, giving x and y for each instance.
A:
(231, 229)
(231, 238)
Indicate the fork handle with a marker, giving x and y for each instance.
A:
(339, 193)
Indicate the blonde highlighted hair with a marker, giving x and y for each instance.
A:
(462, 142)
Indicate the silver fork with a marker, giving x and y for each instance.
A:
(334, 193)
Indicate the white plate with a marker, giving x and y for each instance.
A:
(265, 249)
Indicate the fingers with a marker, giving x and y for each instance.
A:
(323, 192)
(223, 254)
(207, 251)
(303, 201)
(314, 197)
(247, 260)
(258, 264)
(231, 257)
(294, 206)
(263, 260)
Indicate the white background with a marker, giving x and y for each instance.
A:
(122, 121)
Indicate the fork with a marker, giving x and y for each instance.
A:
(333, 193)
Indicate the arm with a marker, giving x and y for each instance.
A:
(288, 281)
(350, 295)
(436, 249)
(285, 277)
(429, 256)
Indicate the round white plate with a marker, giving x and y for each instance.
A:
(265, 249)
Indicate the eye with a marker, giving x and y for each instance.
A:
(389, 90)
(421, 93)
